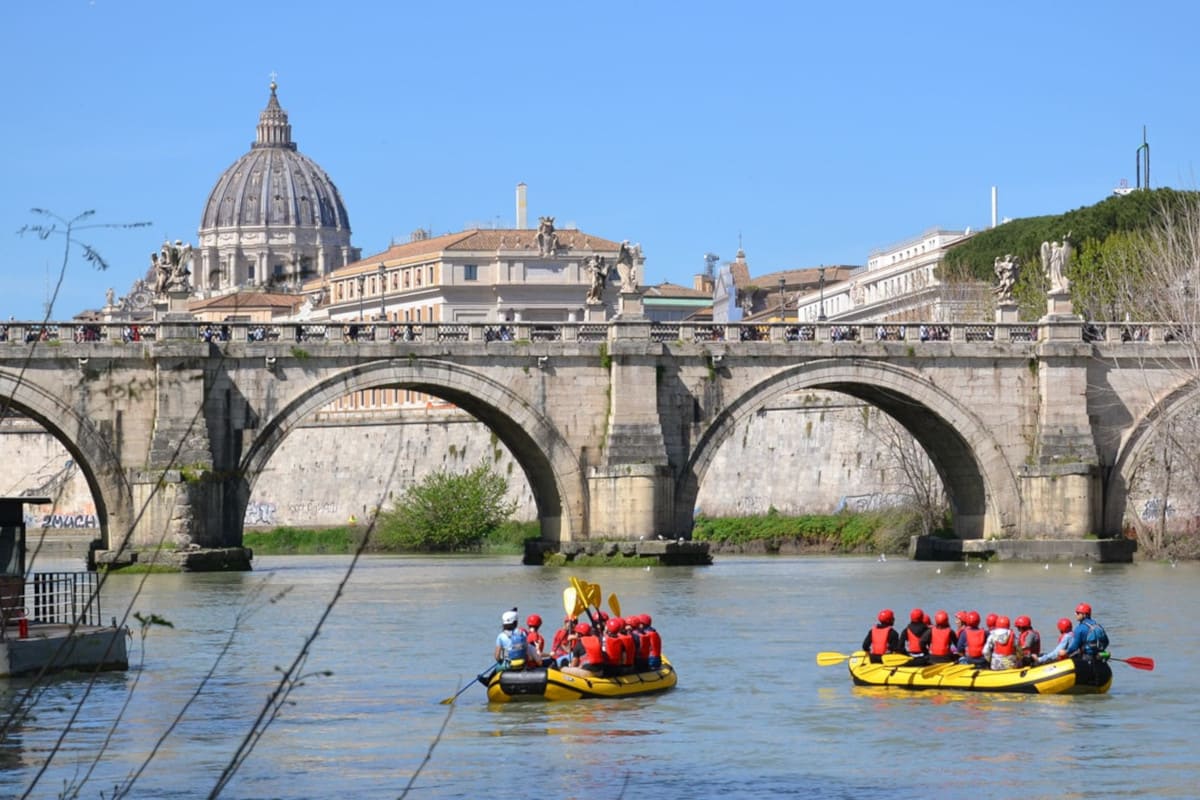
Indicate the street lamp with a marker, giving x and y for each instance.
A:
(821, 294)
(361, 280)
(382, 277)
(781, 284)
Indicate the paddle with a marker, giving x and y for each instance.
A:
(571, 602)
(827, 659)
(1137, 662)
(483, 677)
(614, 605)
(583, 593)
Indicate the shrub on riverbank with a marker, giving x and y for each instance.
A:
(446, 512)
(869, 532)
(302, 541)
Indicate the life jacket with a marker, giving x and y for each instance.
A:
(593, 654)
(939, 641)
(653, 648)
(614, 651)
(515, 649)
(1005, 648)
(1095, 639)
(879, 639)
(975, 642)
(630, 648)
(1030, 642)
(914, 642)
(559, 646)
(535, 640)
(640, 648)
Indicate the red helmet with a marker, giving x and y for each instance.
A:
(637, 619)
(1024, 622)
(916, 615)
(1064, 625)
(533, 621)
(941, 618)
(646, 620)
(887, 617)
(991, 620)
(583, 629)
(961, 616)
(1083, 608)
(603, 615)
(614, 625)
(972, 618)
(925, 619)
(1002, 621)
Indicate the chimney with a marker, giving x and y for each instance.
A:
(521, 214)
(993, 206)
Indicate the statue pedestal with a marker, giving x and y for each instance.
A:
(596, 313)
(1058, 304)
(1006, 312)
(630, 306)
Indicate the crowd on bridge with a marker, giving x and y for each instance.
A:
(604, 646)
(993, 642)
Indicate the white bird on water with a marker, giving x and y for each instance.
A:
(1046, 567)
(882, 557)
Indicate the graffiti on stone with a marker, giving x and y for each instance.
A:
(1152, 509)
(259, 513)
(61, 521)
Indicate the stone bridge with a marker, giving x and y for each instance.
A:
(1033, 428)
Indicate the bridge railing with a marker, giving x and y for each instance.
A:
(913, 333)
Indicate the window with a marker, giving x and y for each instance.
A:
(279, 270)
(407, 276)
(471, 272)
(250, 271)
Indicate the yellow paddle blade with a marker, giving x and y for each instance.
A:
(895, 659)
(614, 604)
(828, 659)
(593, 594)
(570, 601)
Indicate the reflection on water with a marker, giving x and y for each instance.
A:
(752, 715)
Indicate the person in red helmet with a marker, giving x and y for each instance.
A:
(915, 637)
(971, 640)
(1063, 648)
(941, 640)
(1029, 641)
(558, 647)
(883, 637)
(536, 643)
(614, 646)
(1089, 639)
(990, 622)
(653, 642)
(587, 654)
(1000, 649)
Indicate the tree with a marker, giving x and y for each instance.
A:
(447, 512)
(906, 463)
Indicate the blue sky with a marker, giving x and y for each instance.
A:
(816, 132)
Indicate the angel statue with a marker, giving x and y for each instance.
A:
(1006, 270)
(598, 268)
(1055, 256)
(626, 266)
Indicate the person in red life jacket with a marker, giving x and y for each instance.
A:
(915, 637)
(1000, 649)
(1029, 641)
(629, 643)
(587, 654)
(558, 647)
(1063, 648)
(653, 643)
(633, 624)
(941, 640)
(971, 640)
(534, 637)
(882, 638)
(614, 646)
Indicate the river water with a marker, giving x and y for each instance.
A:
(752, 716)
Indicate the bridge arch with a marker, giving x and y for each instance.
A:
(99, 464)
(1134, 445)
(983, 491)
(553, 472)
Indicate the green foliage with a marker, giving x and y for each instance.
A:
(446, 512)
(509, 538)
(974, 259)
(305, 541)
(1102, 273)
(844, 533)
(605, 358)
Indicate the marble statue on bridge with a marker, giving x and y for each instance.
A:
(1007, 271)
(547, 239)
(597, 267)
(170, 267)
(1055, 256)
(627, 265)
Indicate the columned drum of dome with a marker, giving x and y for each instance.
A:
(273, 219)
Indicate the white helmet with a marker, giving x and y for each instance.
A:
(509, 618)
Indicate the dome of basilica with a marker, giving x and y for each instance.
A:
(274, 218)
